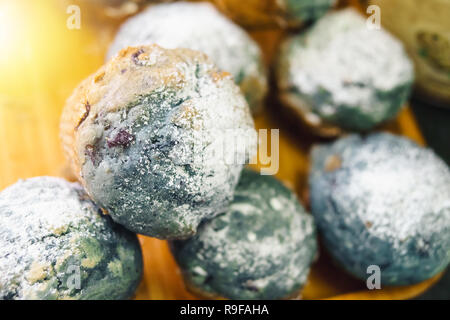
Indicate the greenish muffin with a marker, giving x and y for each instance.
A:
(56, 244)
(199, 26)
(382, 200)
(258, 14)
(159, 138)
(342, 76)
(262, 247)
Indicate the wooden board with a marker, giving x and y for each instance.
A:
(41, 61)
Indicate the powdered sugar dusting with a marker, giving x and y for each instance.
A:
(341, 49)
(385, 202)
(399, 190)
(198, 26)
(340, 62)
(46, 224)
(269, 250)
(179, 111)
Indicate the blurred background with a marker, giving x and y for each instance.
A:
(42, 60)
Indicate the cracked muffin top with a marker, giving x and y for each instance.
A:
(201, 27)
(147, 135)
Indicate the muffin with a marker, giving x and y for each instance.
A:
(199, 26)
(274, 13)
(147, 136)
(56, 244)
(382, 200)
(260, 248)
(341, 76)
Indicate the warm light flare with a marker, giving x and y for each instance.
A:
(35, 47)
(15, 46)
(10, 27)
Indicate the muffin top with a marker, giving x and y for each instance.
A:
(51, 233)
(196, 26)
(260, 248)
(348, 74)
(199, 26)
(388, 182)
(186, 79)
(383, 200)
(147, 134)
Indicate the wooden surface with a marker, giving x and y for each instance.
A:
(41, 61)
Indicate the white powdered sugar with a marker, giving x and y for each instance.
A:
(38, 218)
(398, 192)
(383, 200)
(260, 252)
(159, 146)
(51, 233)
(341, 50)
(198, 26)
(340, 75)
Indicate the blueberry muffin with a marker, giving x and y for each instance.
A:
(56, 244)
(382, 200)
(274, 13)
(199, 26)
(147, 136)
(342, 76)
(260, 248)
